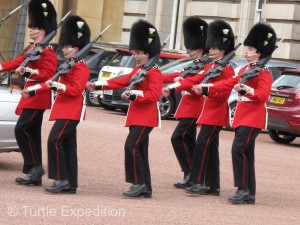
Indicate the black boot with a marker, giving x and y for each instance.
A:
(58, 186)
(136, 190)
(146, 194)
(185, 182)
(195, 189)
(33, 177)
(241, 196)
(210, 191)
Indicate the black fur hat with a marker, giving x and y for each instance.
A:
(144, 36)
(42, 15)
(195, 33)
(262, 37)
(220, 35)
(75, 32)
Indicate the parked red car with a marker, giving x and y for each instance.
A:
(284, 108)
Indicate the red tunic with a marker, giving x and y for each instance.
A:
(69, 104)
(190, 105)
(46, 67)
(144, 110)
(254, 113)
(215, 109)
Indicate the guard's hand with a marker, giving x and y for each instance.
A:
(25, 93)
(238, 87)
(90, 86)
(20, 71)
(48, 83)
(125, 95)
(165, 91)
(178, 79)
(197, 89)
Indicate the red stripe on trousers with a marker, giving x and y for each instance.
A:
(57, 152)
(134, 156)
(203, 159)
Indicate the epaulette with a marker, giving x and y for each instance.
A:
(49, 46)
(155, 66)
(81, 61)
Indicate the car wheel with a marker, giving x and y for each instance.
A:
(281, 137)
(90, 99)
(166, 106)
(232, 107)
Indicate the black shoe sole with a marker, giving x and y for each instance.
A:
(58, 190)
(210, 193)
(147, 194)
(181, 186)
(29, 183)
(242, 201)
(137, 194)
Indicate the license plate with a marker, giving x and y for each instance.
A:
(105, 74)
(277, 100)
(107, 92)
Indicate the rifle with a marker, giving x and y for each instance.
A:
(9, 14)
(34, 54)
(143, 72)
(216, 72)
(249, 73)
(195, 66)
(66, 66)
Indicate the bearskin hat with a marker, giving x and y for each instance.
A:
(75, 32)
(262, 37)
(144, 36)
(220, 35)
(195, 33)
(42, 15)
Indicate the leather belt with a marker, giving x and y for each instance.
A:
(244, 99)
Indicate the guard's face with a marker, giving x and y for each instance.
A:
(35, 33)
(251, 54)
(69, 51)
(215, 53)
(141, 57)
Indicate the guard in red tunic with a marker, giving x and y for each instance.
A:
(68, 109)
(184, 136)
(205, 173)
(143, 113)
(42, 20)
(251, 112)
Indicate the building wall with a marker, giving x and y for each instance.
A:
(121, 14)
(8, 28)
(240, 14)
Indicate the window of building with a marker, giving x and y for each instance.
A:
(258, 11)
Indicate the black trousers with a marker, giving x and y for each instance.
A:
(183, 141)
(62, 152)
(137, 167)
(206, 162)
(28, 136)
(243, 157)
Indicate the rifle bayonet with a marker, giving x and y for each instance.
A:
(9, 14)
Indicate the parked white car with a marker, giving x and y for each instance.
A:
(9, 99)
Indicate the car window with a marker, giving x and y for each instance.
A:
(287, 81)
(176, 65)
(275, 72)
(119, 59)
(105, 60)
